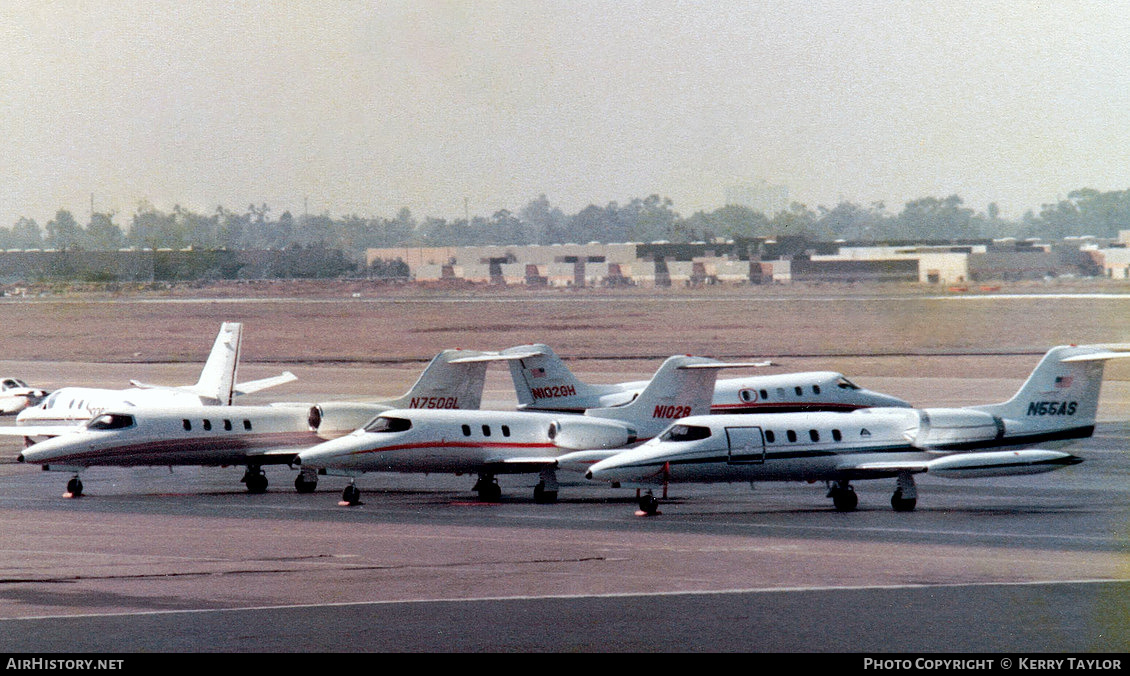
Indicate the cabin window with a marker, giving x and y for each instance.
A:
(505, 430)
(814, 435)
(816, 389)
(685, 433)
(388, 424)
(486, 430)
(791, 435)
(769, 436)
(187, 425)
(207, 425)
(836, 436)
(799, 390)
(466, 430)
(748, 395)
(246, 424)
(764, 394)
(227, 425)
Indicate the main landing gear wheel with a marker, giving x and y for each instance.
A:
(649, 504)
(304, 483)
(74, 487)
(906, 493)
(351, 495)
(488, 489)
(256, 480)
(902, 504)
(543, 496)
(843, 497)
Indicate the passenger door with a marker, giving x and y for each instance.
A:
(747, 445)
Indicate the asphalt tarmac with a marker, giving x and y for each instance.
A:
(185, 561)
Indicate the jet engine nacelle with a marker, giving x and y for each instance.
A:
(335, 419)
(948, 426)
(583, 434)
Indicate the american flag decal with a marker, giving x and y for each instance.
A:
(1063, 381)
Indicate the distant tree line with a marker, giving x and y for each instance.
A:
(1084, 212)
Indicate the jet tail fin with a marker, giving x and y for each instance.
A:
(1062, 391)
(453, 379)
(217, 379)
(542, 381)
(683, 386)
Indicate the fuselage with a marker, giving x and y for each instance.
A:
(74, 405)
(833, 446)
(763, 447)
(779, 393)
(436, 441)
(15, 396)
(187, 436)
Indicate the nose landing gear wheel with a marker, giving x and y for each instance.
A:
(649, 504)
(351, 495)
(74, 487)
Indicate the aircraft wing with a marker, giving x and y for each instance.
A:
(968, 465)
(579, 461)
(263, 383)
(40, 430)
(277, 456)
(519, 465)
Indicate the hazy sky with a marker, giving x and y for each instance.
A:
(367, 107)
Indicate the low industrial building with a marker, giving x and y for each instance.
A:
(753, 261)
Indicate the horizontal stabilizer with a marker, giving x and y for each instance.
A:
(263, 383)
(492, 356)
(1099, 356)
(727, 365)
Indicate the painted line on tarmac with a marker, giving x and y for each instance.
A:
(566, 597)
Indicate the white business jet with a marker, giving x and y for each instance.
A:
(543, 382)
(1056, 405)
(252, 436)
(489, 443)
(16, 395)
(70, 406)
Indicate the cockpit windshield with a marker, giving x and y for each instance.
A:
(685, 433)
(110, 421)
(845, 384)
(386, 424)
